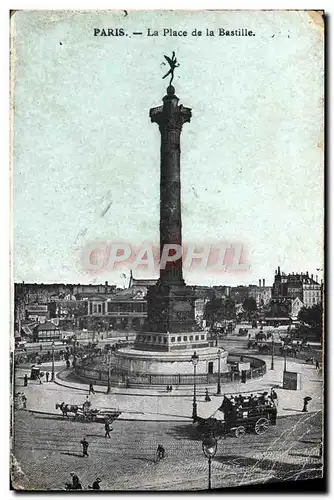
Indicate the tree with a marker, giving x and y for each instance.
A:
(249, 306)
(229, 310)
(213, 310)
(218, 309)
(312, 316)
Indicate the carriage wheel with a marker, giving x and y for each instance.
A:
(240, 431)
(261, 426)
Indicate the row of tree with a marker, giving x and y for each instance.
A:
(219, 309)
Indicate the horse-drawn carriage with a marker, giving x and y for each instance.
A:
(239, 420)
(85, 413)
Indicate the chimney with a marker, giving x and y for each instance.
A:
(312, 276)
(275, 272)
(264, 282)
(316, 278)
(259, 282)
(278, 270)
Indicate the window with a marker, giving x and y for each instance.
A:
(172, 339)
(191, 338)
(100, 308)
(112, 307)
(165, 340)
(196, 337)
(160, 339)
(202, 337)
(154, 339)
(185, 339)
(179, 339)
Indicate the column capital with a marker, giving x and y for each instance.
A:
(170, 114)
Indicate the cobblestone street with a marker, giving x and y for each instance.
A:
(47, 449)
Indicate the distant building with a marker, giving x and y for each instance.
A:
(47, 332)
(294, 285)
(261, 293)
(291, 292)
(296, 305)
(124, 309)
(36, 313)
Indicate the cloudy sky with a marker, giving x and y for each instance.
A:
(86, 156)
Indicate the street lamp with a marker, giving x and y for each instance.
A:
(74, 346)
(194, 359)
(109, 368)
(285, 351)
(272, 351)
(219, 353)
(209, 447)
(53, 361)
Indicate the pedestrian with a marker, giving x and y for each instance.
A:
(85, 445)
(167, 388)
(40, 378)
(161, 451)
(91, 388)
(307, 399)
(317, 366)
(107, 429)
(273, 395)
(96, 484)
(207, 397)
(24, 401)
(76, 485)
(25, 383)
(40, 347)
(47, 376)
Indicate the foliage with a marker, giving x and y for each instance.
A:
(218, 309)
(311, 315)
(250, 307)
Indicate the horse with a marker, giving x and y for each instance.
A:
(65, 409)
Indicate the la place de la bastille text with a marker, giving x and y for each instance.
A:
(170, 32)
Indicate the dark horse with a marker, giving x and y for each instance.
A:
(65, 409)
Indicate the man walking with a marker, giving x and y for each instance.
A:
(107, 429)
(307, 399)
(85, 445)
(47, 376)
(91, 388)
(273, 396)
(25, 383)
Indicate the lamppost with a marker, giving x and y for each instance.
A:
(272, 350)
(74, 346)
(219, 353)
(285, 350)
(209, 447)
(194, 359)
(53, 362)
(109, 369)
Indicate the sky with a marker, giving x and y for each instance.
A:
(86, 156)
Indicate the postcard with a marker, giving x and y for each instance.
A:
(168, 203)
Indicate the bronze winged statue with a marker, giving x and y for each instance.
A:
(173, 64)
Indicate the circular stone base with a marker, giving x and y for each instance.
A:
(170, 363)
